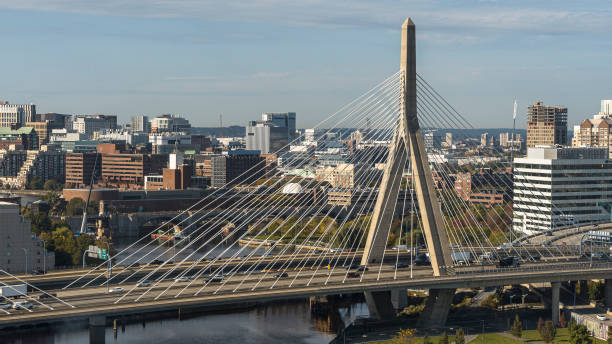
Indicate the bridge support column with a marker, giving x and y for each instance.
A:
(437, 308)
(555, 286)
(379, 304)
(399, 298)
(608, 293)
(97, 328)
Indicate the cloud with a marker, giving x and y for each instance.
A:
(522, 15)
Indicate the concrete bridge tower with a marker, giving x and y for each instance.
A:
(407, 144)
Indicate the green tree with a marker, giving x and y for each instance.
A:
(443, 338)
(404, 337)
(580, 335)
(52, 185)
(459, 337)
(548, 332)
(595, 289)
(517, 327)
(35, 184)
(40, 222)
(75, 206)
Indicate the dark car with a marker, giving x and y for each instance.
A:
(157, 262)
(281, 275)
(421, 259)
(509, 262)
(351, 266)
(46, 296)
(353, 275)
(401, 265)
(362, 268)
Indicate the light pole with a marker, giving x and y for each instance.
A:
(25, 251)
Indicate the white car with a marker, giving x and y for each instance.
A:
(181, 279)
(144, 284)
(116, 290)
(601, 317)
(5, 305)
(22, 305)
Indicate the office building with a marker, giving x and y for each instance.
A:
(123, 169)
(21, 251)
(484, 139)
(80, 167)
(141, 124)
(42, 129)
(89, 124)
(341, 175)
(546, 125)
(606, 107)
(171, 123)
(16, 115)
(236, 167)
(11, 162)
(266, 137)
(431, 139)
(284, 120)
(449, 140)
(556, 187)
(56, 120)
(22, 138)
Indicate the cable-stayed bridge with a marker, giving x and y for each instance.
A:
(339, 224)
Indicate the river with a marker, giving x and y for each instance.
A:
(273, 323)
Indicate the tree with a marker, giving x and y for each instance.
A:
(52, 185)
(35, 184)
(517, 327)
(75, 206)
(580, 335)
(548, 332)
(595, 293)
(404, 337)
(443, 338)
(459, 337)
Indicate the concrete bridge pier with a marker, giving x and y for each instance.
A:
(399, 299)
(555, 287)
(608, 293)
(97, 329)
(379, 304)
(437, 308)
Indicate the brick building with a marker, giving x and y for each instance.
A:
(80, 167)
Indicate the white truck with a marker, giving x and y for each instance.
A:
(13, 290)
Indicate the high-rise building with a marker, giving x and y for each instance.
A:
(606, 107)
(21, 250)
(16, 114)
(56, 120)
(266, 137)
(546, 125)
(282, 119)
(172, 123)
(431, 139)
(141, 124)
(556, 187)
(236, 167)
(449, 139)
(484, 139)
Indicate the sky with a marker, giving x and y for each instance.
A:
(239, 58)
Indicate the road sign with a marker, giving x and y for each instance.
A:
(103, 254)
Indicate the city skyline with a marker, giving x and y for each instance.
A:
(307, 57)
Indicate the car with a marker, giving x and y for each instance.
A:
(46, 296)
(595, 225)
(116, 290)
(144, 284)
(421, 259)
(135, 265)
(546, 244)
(351, 266)
(549, 233)
(281, 275)
(401, 265)
(5, 305)
(353, 275)
(451, 245)
(157, 262)
(22, 305)
(517, 244)
(509, 262)
(181, 279)
(362, 268)
(36, 272)
(598, 255)
(601, 317)
(169, 262)
(215, 278)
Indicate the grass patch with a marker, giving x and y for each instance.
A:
(562, 336)
(494, 338)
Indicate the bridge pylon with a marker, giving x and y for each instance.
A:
(407, 143)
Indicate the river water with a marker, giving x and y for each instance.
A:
(274, 323)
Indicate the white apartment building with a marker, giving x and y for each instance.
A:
(173, 123)
(556, 187)
(16, 113)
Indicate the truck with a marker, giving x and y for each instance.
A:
(14, 290)
(461, 257)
